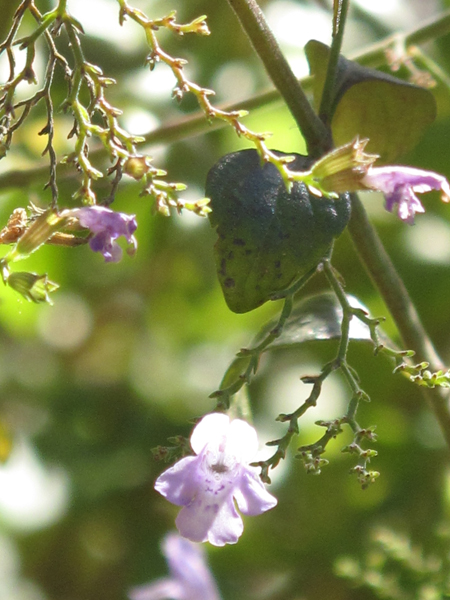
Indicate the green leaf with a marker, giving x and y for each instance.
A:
(391, 112)
(316, 317)
(268, 237)
(236, 368)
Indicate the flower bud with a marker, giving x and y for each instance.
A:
(343, 169)
(137, 166)
(35, 288)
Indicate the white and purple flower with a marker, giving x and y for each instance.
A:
(349, 169)
(190, 577)
(400, 185)
(107, 226)
(207, 485)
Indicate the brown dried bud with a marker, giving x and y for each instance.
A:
(17, 223)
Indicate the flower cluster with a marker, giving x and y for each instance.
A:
(190, 577)
(206, 485)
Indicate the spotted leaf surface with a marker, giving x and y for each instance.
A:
(268, 237)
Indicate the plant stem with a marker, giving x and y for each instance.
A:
(391, 287)
(316, 135)
(340, 17)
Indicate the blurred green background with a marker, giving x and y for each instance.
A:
(129, 353)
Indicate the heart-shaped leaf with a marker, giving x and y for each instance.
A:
(368, 103)
(268, 237)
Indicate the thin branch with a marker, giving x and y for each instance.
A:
(340, 17)
(391, 287)
(195, 124)
(252, 19)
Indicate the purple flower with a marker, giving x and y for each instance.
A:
(190, 578)
(206, 485)
(400, 185)
(107, 226)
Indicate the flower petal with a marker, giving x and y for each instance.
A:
(386, 179)
(251, 495)
(160, 589)
(102, 242)
(187, 563)
(107, 226)
(100, 218)
(205, 485)
(180, 483)
(227, 527)
(190, 577)
(211, 428)
(242, 441)
(218, 524)
(212, 490)
(400, 185)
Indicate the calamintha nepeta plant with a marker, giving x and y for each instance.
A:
(277, 216)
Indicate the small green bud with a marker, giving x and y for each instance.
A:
(137, 166)
(35, 288)
(199, 26)
(86, 194)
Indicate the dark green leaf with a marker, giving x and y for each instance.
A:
(268, 237)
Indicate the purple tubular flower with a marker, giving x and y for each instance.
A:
(107, 226)
(206, 485)
(190, 577)
(400, 185)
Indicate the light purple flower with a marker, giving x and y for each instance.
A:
(190, 577)
(206, 485)
(107, 226)
(400, 185)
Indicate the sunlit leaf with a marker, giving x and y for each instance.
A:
(391, 112)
